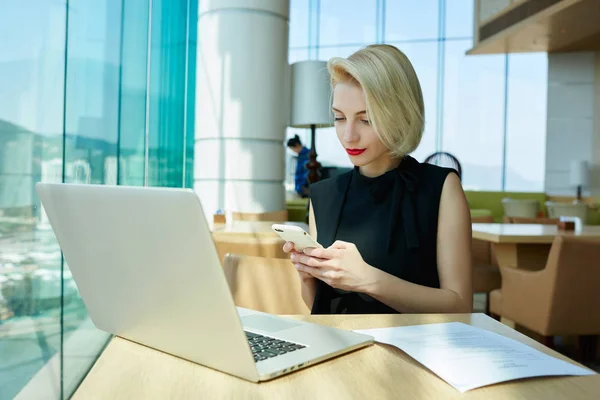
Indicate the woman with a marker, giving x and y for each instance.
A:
(301, 181)
(396, 233)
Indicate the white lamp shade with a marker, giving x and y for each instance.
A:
(311, 94)
(579, 173)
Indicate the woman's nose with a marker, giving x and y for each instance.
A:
(350, 134)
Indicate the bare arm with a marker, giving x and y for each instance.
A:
(453, 259)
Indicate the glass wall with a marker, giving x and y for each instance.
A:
(489, 110)
(91, 91)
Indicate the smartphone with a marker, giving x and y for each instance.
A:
(295, 234)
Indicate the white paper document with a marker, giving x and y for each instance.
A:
(467, 357)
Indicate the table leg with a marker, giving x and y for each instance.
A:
(525, 256)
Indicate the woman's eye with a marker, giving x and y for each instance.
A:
(339, 118)
(366, 122)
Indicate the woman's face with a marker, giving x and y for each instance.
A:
(354, 130)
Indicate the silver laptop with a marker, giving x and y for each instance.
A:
(148, 270)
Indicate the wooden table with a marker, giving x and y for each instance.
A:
(524, 245)
(252, 238)
(251, 228)
(126, 370)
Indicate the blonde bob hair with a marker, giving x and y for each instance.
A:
(392, 94)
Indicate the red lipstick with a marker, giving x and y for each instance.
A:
(355, 152)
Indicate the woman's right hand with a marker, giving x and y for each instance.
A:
(288, 248)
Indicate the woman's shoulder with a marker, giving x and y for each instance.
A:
(431, 176)
(434, 171)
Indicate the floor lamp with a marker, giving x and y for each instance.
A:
(311, 105)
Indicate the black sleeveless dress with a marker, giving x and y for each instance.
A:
(392, 219)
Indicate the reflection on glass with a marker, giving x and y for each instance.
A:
(347, 22)
(526, 122)
(167, 94)
(132, 116)
(103, 141)
(411, 20)
(91, 145)
(473, 128)
(31, 109)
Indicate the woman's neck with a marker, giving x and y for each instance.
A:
(380, 166)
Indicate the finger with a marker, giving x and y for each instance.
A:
(310, 261)
(307, 269)
(339, 244)
(288, 247)
(302, 274)
(329, 277)
(323, 253)
(322, 274)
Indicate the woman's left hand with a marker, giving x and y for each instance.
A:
(340, 266)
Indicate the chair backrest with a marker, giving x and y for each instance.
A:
(264, 284)
(275, 216)
(488, 219)
(520, 208)
(557, 210)
(523, 220)
(444, 159)
(574, 277)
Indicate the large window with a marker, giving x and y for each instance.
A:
(347, 22)
(473, 128)
(526, 122)
(299, 23)
(90, 103)
(458, 21)
(486, 110)
(407, 20)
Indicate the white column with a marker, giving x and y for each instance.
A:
(242, 105)
(573, 122)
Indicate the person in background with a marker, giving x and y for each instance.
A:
(396, 233)
(301, 180)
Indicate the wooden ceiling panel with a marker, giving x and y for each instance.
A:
(567, 25)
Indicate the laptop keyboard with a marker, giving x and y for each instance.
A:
(264, 347)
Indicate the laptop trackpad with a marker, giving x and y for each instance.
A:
(266, 323)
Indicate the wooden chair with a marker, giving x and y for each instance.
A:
(275, 216)
(486, 275)
(560, 300)
(264, 284)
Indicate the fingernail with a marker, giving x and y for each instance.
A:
(293, 256)
(297, 266)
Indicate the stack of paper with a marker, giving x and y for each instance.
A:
(467, 357)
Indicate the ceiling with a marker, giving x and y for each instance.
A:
(541, 26)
